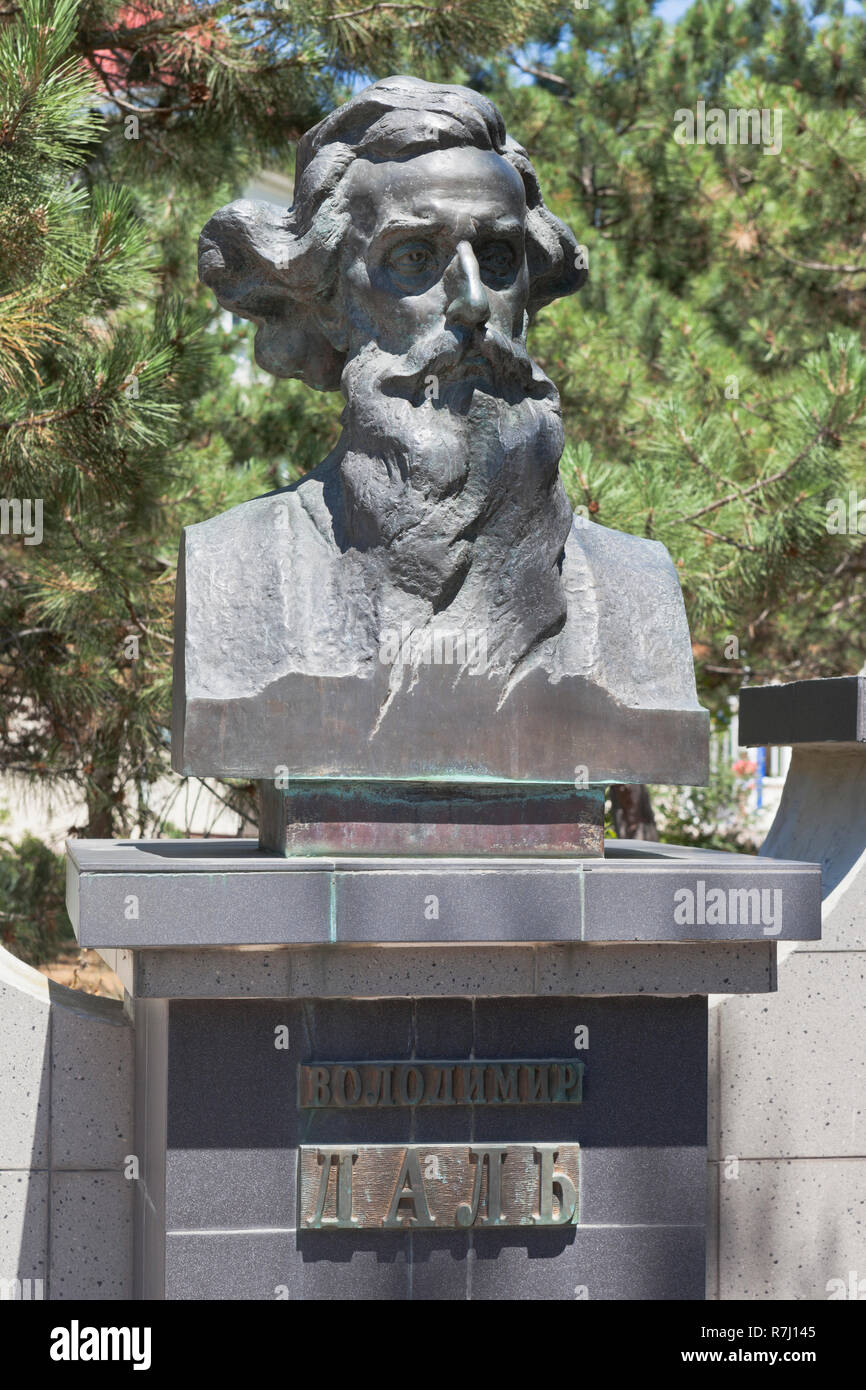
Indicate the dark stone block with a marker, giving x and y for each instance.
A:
(190, 898)
(234, 1130)
(440, 1265)
(270, 1265)
(192, 909)
(218, 1189)
(816, 711)
(341, 1028)
(646, 1068)
(444, 1027)
(228, 1085)
(754, 899)
(632, 1186)
(637, 1262)
(530, 905)
(634, 1262)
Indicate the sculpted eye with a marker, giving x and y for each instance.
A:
(412, 259)
(497, 258)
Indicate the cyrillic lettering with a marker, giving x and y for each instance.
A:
(503, 1083)
(566, 1076)
(320, 1085)
(471, 1085)
(341, 1076)
(537, 1083)
(410, 1186)
(411, 1086)
(550, 1184)
(344, 1159)
(467, 1212)
(443, 1094)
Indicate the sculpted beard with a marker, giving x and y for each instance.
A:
(449, 465)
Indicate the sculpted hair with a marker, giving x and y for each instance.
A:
(277, 266)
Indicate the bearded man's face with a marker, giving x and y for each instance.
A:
(430, 312)
(452, 435)
(434, 268)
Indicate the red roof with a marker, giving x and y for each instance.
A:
(197, 35)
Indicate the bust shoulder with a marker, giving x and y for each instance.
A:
(255, 587)
(626, 626)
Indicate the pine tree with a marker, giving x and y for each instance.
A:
(711, 372)
(97, 369)
(122, 415)
(712, 375)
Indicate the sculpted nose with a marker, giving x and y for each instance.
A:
(469, 304)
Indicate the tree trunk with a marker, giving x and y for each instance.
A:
(104, 813)
(100, 807)
(633, 817)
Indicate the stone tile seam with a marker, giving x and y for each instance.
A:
(581, 893)
(146, 1197)
(542, 992)
(95, 1020)
(49, 1095)
(791, 1158)
(822, 949)
(59, 1168)
(717, 1124)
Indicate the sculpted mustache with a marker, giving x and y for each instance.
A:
(509, 360)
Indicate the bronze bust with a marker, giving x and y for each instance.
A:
(423, 603)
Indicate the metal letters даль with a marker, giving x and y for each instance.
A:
(401, 1187)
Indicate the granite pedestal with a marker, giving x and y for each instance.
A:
(551, 1011)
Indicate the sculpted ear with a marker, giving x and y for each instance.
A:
(258, 268)
(331, 322)
(292, 349)
(556, 265)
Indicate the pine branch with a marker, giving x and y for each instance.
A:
(544, 74)
(761, 483)
(813, 265)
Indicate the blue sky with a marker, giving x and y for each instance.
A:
(672, 9)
